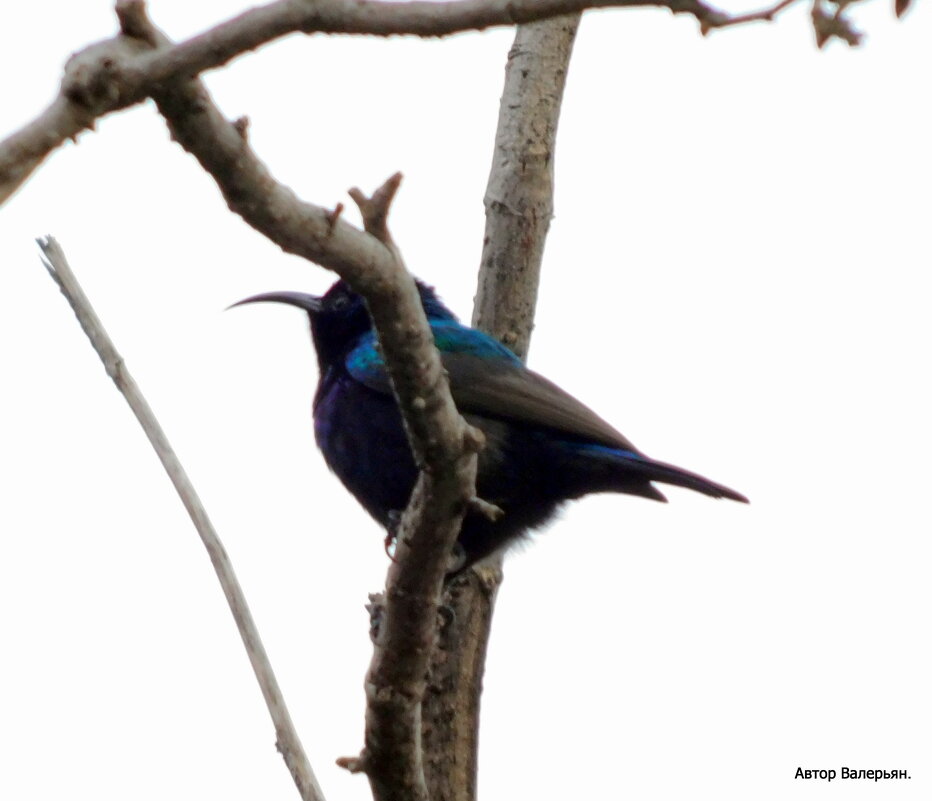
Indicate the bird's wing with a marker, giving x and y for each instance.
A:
(488, 379)
(518, 394)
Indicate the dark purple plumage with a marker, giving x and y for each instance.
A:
(543, 447)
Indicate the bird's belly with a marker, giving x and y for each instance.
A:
(362, 439)
(361, 436)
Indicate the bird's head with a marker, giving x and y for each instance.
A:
(339, 318)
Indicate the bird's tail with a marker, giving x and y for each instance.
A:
(633, 473)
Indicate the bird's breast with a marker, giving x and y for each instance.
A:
(360, 434)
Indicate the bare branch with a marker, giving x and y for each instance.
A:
(288, 742)
(125, 70)
(519, 195)
(764, 15)
(374, 209)
(315, 233)
(486, 509)
(444, 446)
(831, 24)
(261, 25)
(519, 205)
(406, 632)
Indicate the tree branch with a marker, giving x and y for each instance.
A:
(288, 742)
(769, 14)
(122, 71)
(519, 206)
(444, 446)
(519, 194)
(371, 266)
(406, 632)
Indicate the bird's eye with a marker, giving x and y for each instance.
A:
(340, 302)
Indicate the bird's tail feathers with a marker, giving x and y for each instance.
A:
(670, 474)
(647, 469)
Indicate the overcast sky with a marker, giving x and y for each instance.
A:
(737, 277)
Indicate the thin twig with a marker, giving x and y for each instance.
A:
(288, 742)
(763, 15)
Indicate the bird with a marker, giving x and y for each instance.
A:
(543, 447)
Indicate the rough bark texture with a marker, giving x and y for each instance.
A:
(451, 705)
(519, 206)
(519, 197)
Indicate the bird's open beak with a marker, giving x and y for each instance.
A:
(310, 303)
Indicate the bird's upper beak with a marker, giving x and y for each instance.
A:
(310, 303)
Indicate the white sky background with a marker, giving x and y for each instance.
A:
(740, 251)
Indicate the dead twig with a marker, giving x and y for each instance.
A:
(288, 742)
